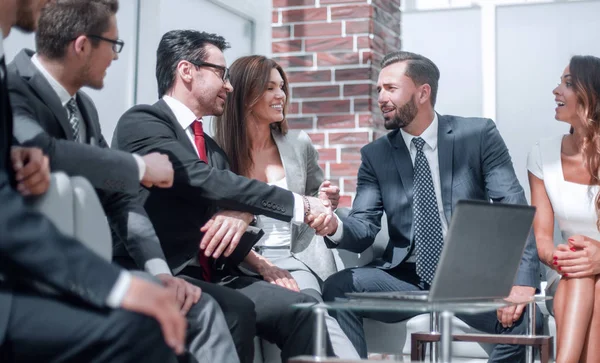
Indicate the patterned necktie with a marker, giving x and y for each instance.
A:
(428, 227)
(73, 118)
(201, 146)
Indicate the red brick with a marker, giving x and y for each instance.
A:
(378, 44)
(347, 138)
(316, 91)
(275, 17)
(352, 74)
(336, 59)
(359, 26)
(361, 89)
(285, 46)
(336, 122)
(345, 201)
(288, 3)
(301, 15)
(362, 104)
(325, 2)
(350, 154)
(329, 44)
(326, 106)
(294, 108)
(300, 122)
(287, 61)
(281, 31)
(363, 42)
(366, 120)
(317, 138)
(349, 185)
(390, 6)
(385, 17)
(344, 169)
(351, 12)
(317, 29)
(309, 76)
(327, 154)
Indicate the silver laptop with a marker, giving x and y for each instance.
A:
(481, 254)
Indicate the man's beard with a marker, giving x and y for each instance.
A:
(403, 116)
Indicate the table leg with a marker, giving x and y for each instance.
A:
(446, 336)
(529, 351)
(434, 328)
(320, 339)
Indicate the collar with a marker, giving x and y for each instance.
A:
(61, 92)
(183, 114)
(430, 135)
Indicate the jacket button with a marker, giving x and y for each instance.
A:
(269, 204)
(282, 209)
(264, 203)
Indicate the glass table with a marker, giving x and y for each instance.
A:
(446, 311)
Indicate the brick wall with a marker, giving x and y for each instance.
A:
(331, 51)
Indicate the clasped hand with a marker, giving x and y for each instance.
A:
(320, 216)
(580, 257)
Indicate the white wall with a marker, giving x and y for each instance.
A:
(450, 38)
(533, 44)
(131, 79)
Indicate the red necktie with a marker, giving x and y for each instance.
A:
(200, 145)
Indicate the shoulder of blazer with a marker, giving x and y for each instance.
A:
(383, 143)
(147, 111)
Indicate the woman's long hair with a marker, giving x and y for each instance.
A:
(249, 77)
(585, 75)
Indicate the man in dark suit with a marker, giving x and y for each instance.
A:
(51, 112)
(97, 306)
(416, 174)
(193, 83)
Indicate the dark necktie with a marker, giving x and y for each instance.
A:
(428, 227)
(201, 146)
(73, 118)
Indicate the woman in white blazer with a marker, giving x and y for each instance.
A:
(254, 134)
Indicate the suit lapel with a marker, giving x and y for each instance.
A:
(295, 174)
(42, 88)
(90, 126)
(179, 131)
(445, 158)
(403, 164)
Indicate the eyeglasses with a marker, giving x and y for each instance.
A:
(224, 70)
(117, 44)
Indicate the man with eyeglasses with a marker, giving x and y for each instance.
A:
(209, 208)
(76, 42)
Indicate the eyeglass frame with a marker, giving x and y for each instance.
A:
(224, 77)
(118, 44)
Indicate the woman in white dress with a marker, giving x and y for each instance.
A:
(253, 132)
(564, 176)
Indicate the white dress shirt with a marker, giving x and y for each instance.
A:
(186, 117)
(430, 136)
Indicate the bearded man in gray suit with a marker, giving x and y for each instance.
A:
(422, 168)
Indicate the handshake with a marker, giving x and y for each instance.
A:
(318, 212)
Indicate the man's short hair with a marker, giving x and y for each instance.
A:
(64, 21)
(178, 45)
(418, 68)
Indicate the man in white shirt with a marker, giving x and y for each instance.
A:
(416, 174)
(51, 112)
(100, 309)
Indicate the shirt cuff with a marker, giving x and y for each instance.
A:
(141, 165)
(117, 294)
(337, 236)
(298, 217)
(157, 266)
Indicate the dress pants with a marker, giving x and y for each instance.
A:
(310, 284)
(51, 329)
(404, 278)
(276, 320)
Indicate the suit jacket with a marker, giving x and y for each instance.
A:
(304, 176)
(199, 189)
(42, 121)
(31, 248)
(474, 163)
